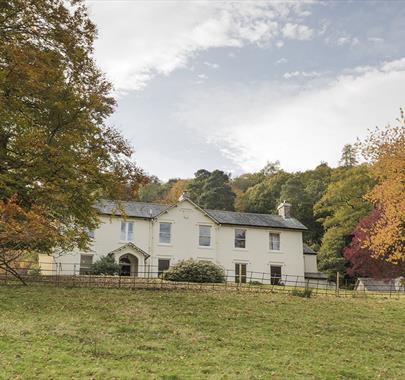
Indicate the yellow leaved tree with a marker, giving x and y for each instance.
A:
(385, 150)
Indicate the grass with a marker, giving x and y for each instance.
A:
(60, 333)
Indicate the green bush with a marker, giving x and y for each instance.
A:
(306, 293)
(34, 272)
(105, 265)
(195, 271)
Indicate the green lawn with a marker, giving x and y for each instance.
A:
(57, 333)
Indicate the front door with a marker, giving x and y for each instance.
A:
(125, 266)
(240, 273)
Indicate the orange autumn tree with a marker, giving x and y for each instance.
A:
(58, 153)
(385, 150)
(176, 190)
(23, 231)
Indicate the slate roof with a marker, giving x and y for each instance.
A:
(308, 250)
(134, 209)
(151, 210)
(255, 220)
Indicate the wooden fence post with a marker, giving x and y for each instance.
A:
(337, 283)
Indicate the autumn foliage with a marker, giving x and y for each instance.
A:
(385, 151)
(58, 155)
(23, 232)
(361, 260)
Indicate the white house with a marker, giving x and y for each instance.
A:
(152, 237)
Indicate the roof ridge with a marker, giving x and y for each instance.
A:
(138, 202)
(243, 212)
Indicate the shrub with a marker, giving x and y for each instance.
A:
(195, 271)
(105, 265)
(34, 272)
(306, 293)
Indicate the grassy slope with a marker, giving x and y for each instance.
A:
(118, 334)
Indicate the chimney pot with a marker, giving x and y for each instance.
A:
(284, 210)
(184, 196)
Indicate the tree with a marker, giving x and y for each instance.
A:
(271, 168)
(212, 190)
(176, 190)
(105, 265)
(294, 190)
(385, 150)
(247, 180)
(339, 210)
(264, 197)
(57, 155)
(349, 156)
(361, 260)
(21, 232)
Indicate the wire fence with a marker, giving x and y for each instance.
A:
(150, 277)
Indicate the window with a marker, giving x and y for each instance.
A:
(274, 241)
(204, 236)
(240, 238)
(86, 262)
(240, 273)
(275, 272)
(165, 232)
(163, 265)
(127, 231)
(91, 234)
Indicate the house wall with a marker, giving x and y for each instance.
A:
(310, 264)
(185, 219)
(257, 254)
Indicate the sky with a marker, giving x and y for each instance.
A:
(231, 85)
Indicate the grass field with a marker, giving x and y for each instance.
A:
(57, 333)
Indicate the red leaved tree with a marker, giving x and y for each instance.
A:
(361, 260)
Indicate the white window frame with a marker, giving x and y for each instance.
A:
(234, 238)
(271, 246)
(199, 235)
(126, 231)
(170, 233)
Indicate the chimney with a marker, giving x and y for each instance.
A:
(184, 196)
(284, 210)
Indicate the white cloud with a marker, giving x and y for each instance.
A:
(281, 61)
(155, 38)
(376, 40)
(280, 44)
(298, 126)
(305, 74)
(347, 40)
(211, 65)
(297, 32)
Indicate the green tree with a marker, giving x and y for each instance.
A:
(212, 190)
(57, 155)
(246, 180)
(271, 168)
(340, 209)
(105, 265)
(264, 197)
(349, 156)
